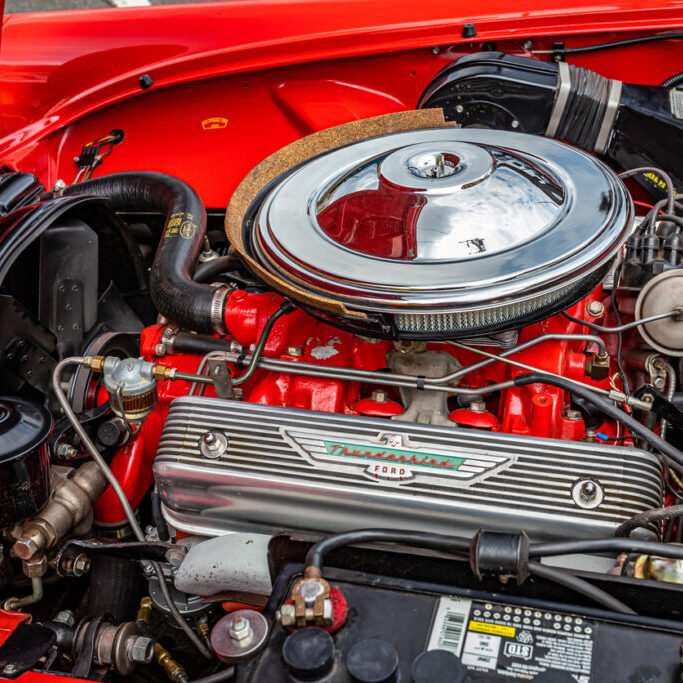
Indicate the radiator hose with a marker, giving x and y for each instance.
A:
(195, 306)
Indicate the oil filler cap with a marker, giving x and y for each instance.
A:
(373, 660)
(438, 665)
(309, 653)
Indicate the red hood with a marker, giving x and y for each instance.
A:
(57, 67)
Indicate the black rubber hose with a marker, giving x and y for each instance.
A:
(286, 307)
(174, 293)
(608, 408)
(115, 588)
(214, 267)
(448, 544)
(672, 81)
(580, 586)
(648, 517)
(455, 545)
(619, 43)
(199, 344)
(606, 545)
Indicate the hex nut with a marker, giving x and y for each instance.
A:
(65, 617)
(328, 612)
(596, 308)
(213, 445)
(81, 565)
(572, 414)
(240, 630)
(35, 567)
(287, 615)
(25, 548)
(142, 650)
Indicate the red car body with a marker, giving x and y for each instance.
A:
(206, 91)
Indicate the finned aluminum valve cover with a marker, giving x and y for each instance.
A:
(444, 232)
(287, 469)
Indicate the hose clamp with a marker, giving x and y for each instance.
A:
(218, 309)
(613, 98)
(561, 98)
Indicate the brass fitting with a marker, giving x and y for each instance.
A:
(35, 567)
(203, 629)
(161, 373)
(95, 363)
(310, 602)
(173, 670)
(597, 366)
(69, 510)
(145, 610)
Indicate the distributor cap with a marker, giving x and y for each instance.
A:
(443, 232)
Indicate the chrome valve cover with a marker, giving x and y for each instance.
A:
(285, 469)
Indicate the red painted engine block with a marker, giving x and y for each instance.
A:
(536, 410)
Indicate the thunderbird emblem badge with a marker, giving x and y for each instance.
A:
(395, 458)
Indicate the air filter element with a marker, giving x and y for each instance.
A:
(441, 233)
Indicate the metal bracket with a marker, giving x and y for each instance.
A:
(222, 377)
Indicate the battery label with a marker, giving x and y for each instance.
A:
(518, 642)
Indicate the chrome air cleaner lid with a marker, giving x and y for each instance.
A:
(444, 232)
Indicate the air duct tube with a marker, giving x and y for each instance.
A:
(175, 295)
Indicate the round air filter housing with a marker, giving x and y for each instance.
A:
(442, 233)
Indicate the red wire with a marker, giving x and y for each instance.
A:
(645, 205)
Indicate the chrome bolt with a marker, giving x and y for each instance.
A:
(528, 44)
(160, 350)
(588, 490)
(588, 494)
(58, 186)
(477, 406)
(436, 49)
(459, 109)
(596, 308)
(66, 451)
(151, 533)
(213, 444)
(240, 629)
(515, 124)
(81, 565)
